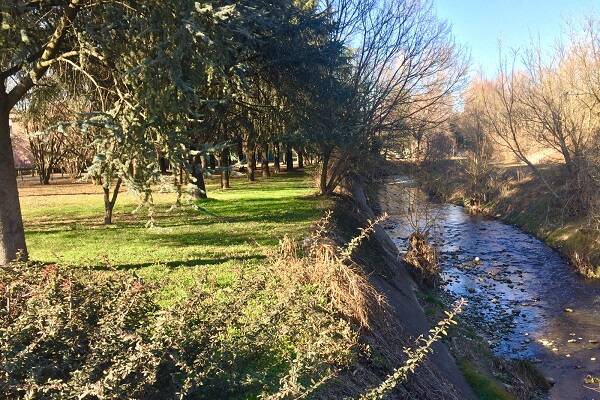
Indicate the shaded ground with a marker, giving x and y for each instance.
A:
(526, 202)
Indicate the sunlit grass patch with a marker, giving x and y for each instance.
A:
(231, 230)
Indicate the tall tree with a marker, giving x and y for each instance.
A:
(33, 36)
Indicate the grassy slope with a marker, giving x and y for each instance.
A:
(232, 231)
(528, 205)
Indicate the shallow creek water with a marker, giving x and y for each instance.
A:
(524, 298)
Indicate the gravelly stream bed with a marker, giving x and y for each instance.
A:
(524, 298)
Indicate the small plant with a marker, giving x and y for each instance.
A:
(479, 180)
(421, 254)
(417, 354)
(584, 266)
(593, 383)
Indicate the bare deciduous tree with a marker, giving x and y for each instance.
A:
(505, 114)
(404, 61)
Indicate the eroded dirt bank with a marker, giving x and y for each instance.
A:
(403, 321)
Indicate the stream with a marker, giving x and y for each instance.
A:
(524, 298)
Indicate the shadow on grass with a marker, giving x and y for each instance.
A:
(267, 210)
(50, 194)
(187, 263)
(218, 239)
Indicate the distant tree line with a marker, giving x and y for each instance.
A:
(542, 107)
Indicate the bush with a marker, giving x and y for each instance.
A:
(74, 334)
(423, 258)
(480, 180)
(439, 147)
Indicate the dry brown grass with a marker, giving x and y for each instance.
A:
(423, 257)
(321, 262)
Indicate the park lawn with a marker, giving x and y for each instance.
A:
(228, 234)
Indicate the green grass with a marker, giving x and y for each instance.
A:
(484, 387)
(231, 232)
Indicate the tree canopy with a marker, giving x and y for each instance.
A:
(203, 85)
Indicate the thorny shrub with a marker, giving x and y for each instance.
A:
(72, 334)
(416, 354)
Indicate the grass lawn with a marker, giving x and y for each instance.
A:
(230, 232)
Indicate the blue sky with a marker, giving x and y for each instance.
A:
(480, 24)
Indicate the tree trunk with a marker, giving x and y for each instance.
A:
(198, 174)
(212, 161)
(45, 176)
(107, 207)
(324, 170)
(276, 158)
(264, 162)
(164, 164)
(39, 152)
(300, 158)
(109, 203)
(12, 235)
(250, 162)
(224, 163)
(289, 159)
(240, 149)
(417, 155)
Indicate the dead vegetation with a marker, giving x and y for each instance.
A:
(323, 263)
(421, 253)
(422, 256)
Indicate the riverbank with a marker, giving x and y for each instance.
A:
(521, 200)
(403, 319)
(524, 298)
